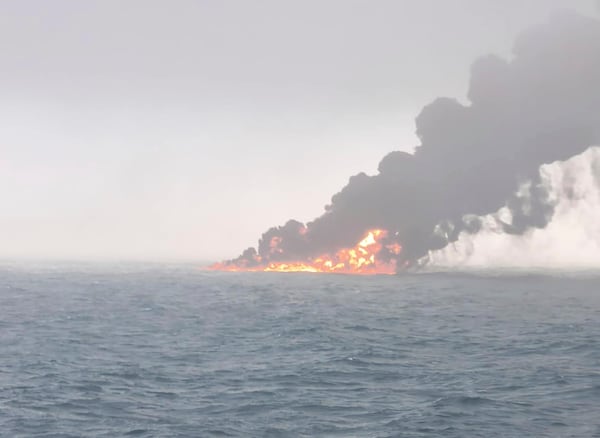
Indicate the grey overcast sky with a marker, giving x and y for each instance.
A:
(184, 129)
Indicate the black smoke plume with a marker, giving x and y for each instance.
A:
(541, 106)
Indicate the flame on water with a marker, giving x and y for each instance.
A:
(361, 259)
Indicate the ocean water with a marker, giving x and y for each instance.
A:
(170, 350)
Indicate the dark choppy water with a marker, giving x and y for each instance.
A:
(173, 351)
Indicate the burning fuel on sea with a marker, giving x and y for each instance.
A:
(372, 255)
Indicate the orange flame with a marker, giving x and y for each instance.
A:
(362, 259)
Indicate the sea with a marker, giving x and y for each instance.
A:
(171, 350)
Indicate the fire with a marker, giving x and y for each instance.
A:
(363, 259)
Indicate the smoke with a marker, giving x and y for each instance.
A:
(571, 238)
(541, 106)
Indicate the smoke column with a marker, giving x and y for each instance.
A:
(541, 106)
(570, 240)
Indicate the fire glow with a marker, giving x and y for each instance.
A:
(362, 259)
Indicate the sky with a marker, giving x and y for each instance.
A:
(164, 130)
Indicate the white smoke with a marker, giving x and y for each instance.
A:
(570, 240)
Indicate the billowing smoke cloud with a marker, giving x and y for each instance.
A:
(570, 240)
(539, 107)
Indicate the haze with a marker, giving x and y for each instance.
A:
(183, 130)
